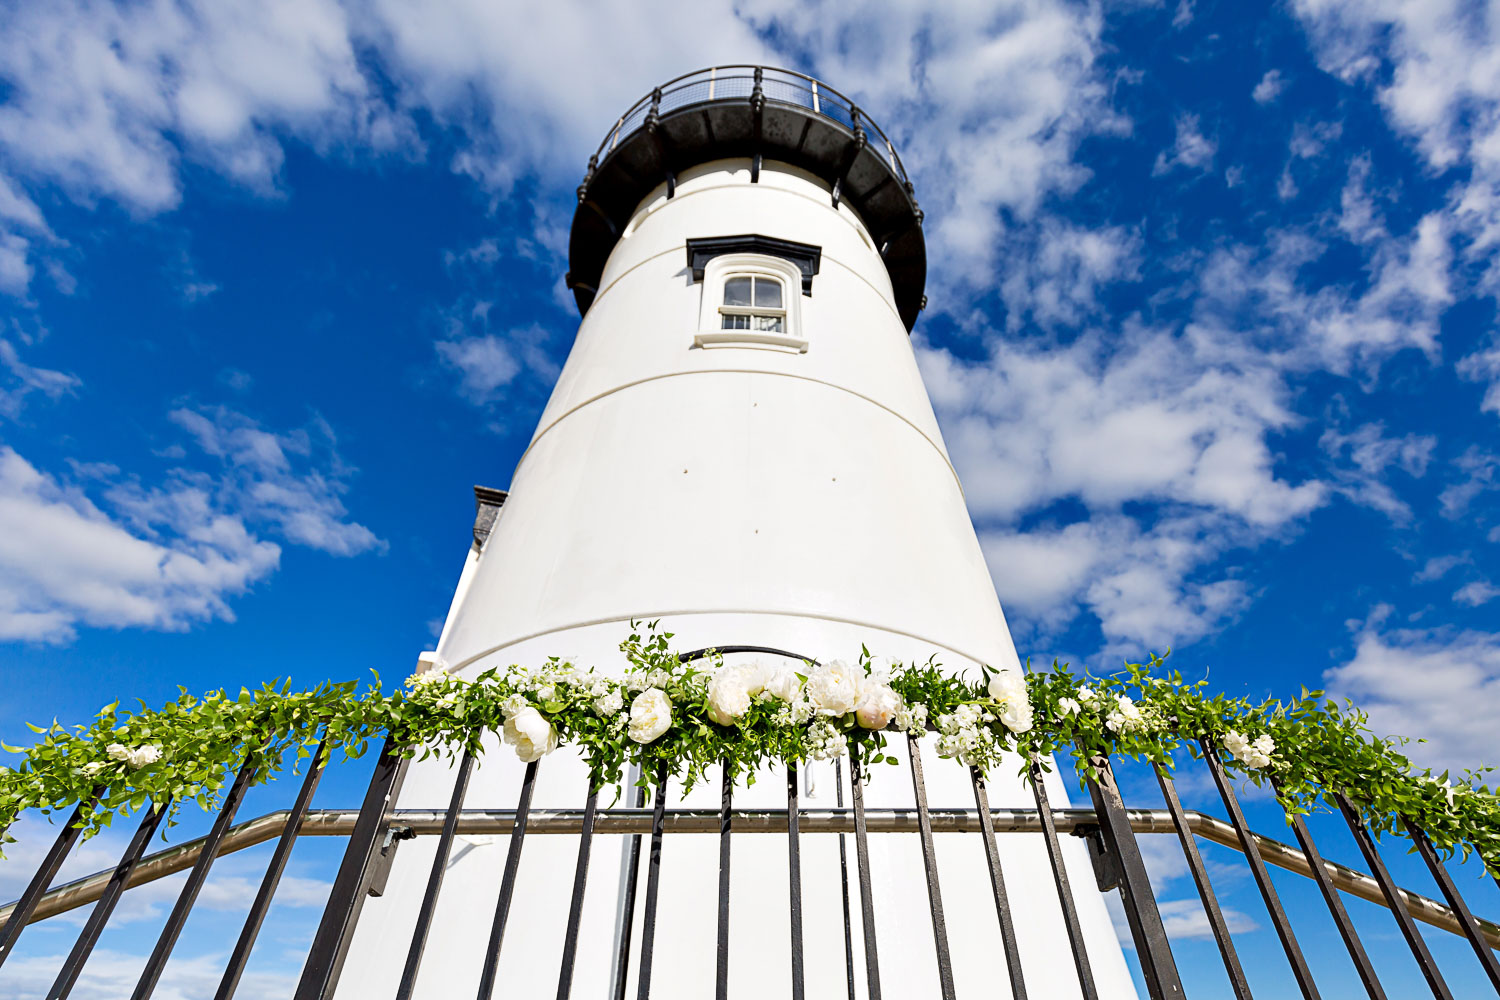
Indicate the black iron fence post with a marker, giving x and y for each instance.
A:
(1356, 948)
(1064, 886)
(272, 878)
(1151, 945)
(1456, 903)
(330, 945)
(37, 887)
(1393, 898)
(929, 861)
(435, 880)
(1216, 921)
(151, 975)
(94, 926)
(1251, 850)
(997, 883)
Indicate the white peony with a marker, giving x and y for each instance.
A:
(1256, 754)
(878, 705)
(650, 715)
(1008, 685)
(1016, 715)
(730, 691)
(833, 687)
(783, 684)
(134, 757)
(531, 734)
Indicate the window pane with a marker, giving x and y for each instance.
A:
(771, 324)
(768, 293)
(737, 292)
(736, 322)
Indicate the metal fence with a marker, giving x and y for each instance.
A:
(1109, 827)
(777, 86)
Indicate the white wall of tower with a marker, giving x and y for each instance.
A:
(744, 495)
(665, 479)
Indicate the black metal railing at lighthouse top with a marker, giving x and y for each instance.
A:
(1110, 828)
(754, 113)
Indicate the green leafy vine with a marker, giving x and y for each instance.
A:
(685, 717)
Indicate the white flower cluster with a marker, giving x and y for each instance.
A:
(825, 741)
(911, 719)
(1124, 717)
(1008, 687)
(965, 734)
(134, 757)
(1252, 753)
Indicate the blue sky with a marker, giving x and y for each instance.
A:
(1211, 328)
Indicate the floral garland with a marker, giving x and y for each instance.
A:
(687, 716)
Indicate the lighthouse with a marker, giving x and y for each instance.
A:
(740, 446)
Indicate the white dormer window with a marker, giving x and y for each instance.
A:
(751, 300)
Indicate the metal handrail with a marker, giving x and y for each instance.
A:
(819, 94)
(479, 822)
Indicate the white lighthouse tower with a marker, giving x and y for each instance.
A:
(741, 446)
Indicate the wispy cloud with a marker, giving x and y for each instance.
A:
(168, 555)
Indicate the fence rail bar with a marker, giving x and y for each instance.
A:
(1152, 948)
(1362, 963)
(330, 945)
(1064, 889)
(929, 862)
(866, 891)
(1404, 921)
(517, 831)
(429, 822)
(435, 880)
(1251, 850)
(118, 881)
(269, 882)
(1216, 921)
(1456, 904)
(151, 974)
(24, 910)
(997, 883)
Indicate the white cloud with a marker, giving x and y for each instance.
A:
(262, 480)
(1191, 149)
(65, 563)
(1438, 685)
(1056, 269)
(1440, 566)
(1269, 88)
(170, 555)
(1476, 592)
(186, 977)
(1371, 455)
(1478, 471)
(1174, 419)
(19, 380)
(485, 365)
(1359, 219)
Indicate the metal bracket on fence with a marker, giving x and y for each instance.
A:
(1107, 872)
(380, 868)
